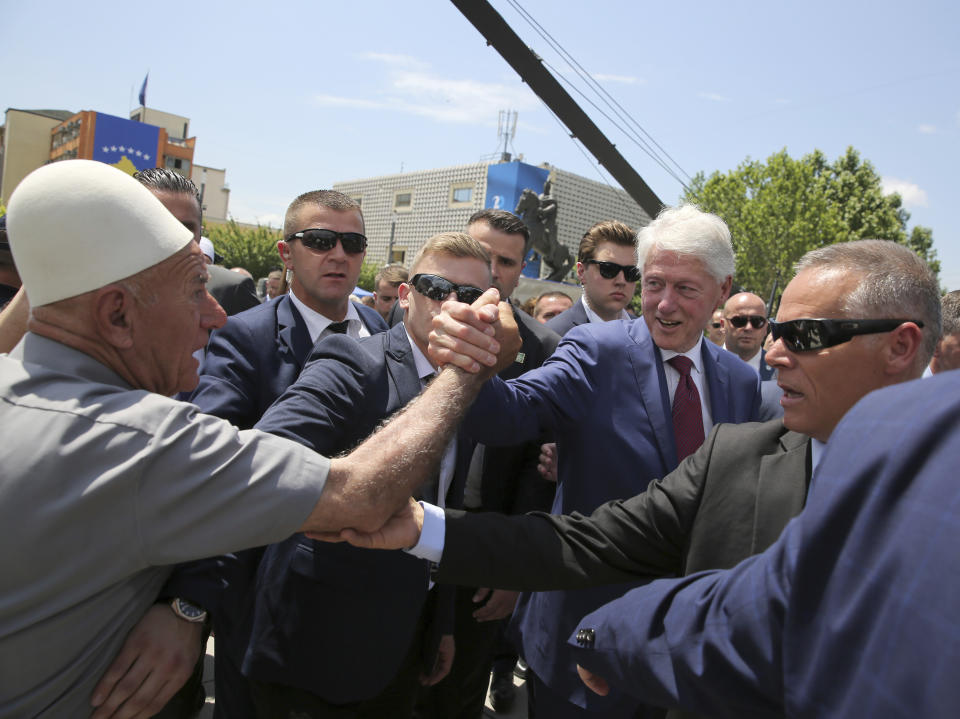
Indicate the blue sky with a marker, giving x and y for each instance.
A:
(292, 96)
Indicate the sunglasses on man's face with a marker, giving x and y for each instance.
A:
(439, 288)
(740, 321)
(325, 240)
(609, 270)
(806, 335)
(716, 325)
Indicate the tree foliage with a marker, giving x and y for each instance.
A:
(253, 248)
(782, 208)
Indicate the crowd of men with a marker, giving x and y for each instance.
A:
(503, 484)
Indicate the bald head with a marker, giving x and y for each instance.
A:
(742, 337)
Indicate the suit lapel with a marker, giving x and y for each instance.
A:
(652, 385)
(718, 383)
(292, 334)
(781, 489)
(401, 364)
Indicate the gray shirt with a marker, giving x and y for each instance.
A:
(101, 488)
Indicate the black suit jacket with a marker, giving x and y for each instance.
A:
(568, 319)
(234, 292)
(727, 501)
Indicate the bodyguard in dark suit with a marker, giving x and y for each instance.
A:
(248, 364)
(852, 612)
(338, 631)
(745, 320)
(609, 397)
(502, 479)
(607, 254)
(733, 496)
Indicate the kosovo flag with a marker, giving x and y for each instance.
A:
(125, 144)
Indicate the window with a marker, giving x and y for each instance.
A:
(358, 199)
(461, 194)
(397, 257)
(403, 201)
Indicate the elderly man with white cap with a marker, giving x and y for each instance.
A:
(107, 480)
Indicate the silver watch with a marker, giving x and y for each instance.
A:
(187, 611)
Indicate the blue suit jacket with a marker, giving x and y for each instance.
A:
(333, 619)
(253, 358)
(568, 319)
(603, 396)
(766, 371)
(853, 612)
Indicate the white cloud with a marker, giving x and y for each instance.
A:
(714, 97)
(622, 79)
(926, 129)
(911, 193)
(394, 60)
(420, 92)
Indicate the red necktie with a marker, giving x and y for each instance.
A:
(687, 412)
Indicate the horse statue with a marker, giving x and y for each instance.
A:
(539, 214)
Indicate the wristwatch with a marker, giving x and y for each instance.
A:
(187, 611)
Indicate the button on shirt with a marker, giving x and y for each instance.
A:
(696, 373)
(317, 324)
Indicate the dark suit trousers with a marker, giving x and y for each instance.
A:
(396, 701)
(462, 692)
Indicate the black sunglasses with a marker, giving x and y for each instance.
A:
(716, 325)
(439, 288)
(740, 321)
(609, 270)
(325, 240)
(806, 335)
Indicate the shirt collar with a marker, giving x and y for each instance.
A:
(817, 449)
(593, 316)
(694, 354)
(316, 322)
(424, 368)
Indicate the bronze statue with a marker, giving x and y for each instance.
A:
(539, 214)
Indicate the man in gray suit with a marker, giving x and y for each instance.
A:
(733, 496)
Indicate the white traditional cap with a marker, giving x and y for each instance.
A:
(77, 225)
(206, 246)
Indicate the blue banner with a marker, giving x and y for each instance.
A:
(506, 180)
(505, 183)
(125, 144)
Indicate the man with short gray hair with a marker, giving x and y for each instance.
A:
(946, 356)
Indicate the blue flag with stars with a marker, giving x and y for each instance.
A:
(125, 144)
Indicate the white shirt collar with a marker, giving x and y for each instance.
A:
(695, 355)
(593, 316)
(424, 368)
(317, 323)
(817, 449)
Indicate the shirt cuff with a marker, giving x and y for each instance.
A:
(430, 546)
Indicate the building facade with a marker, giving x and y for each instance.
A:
(150, 138)
(401, 211)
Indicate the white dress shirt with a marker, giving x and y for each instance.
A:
(317, 323)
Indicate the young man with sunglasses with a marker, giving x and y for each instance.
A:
(617, 398)
(501, 479)
(857, 317)
(607, 269)
(337, 631)
(745, 320)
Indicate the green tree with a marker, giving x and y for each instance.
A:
(367, 274)
(253, 248)
(780, 209)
